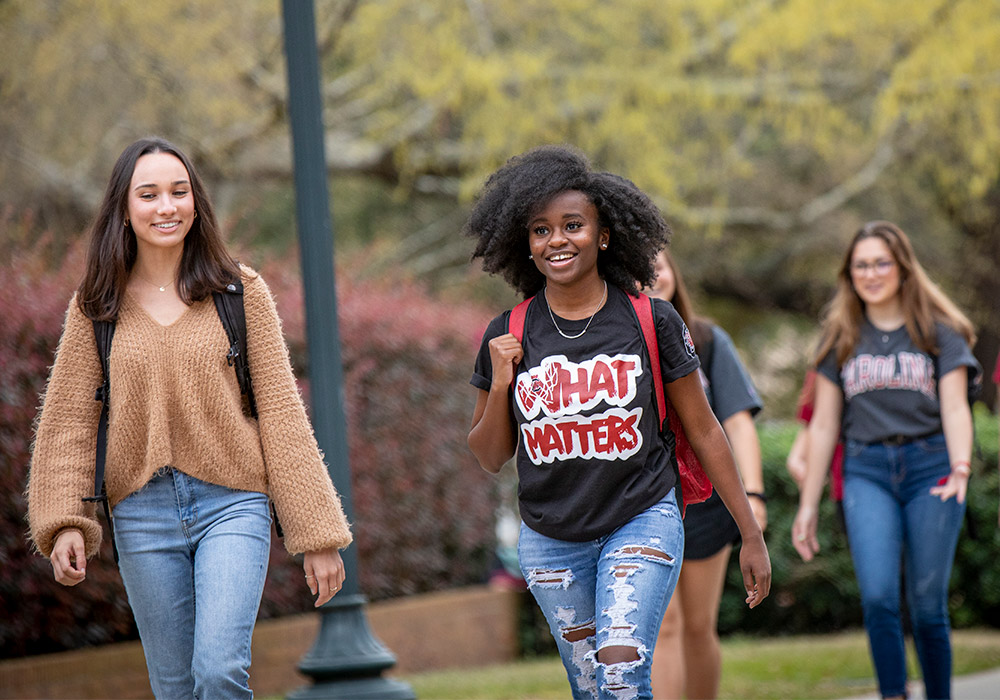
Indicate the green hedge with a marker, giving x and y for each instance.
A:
(822, 595)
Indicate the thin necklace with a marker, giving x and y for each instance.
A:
(162, 289)
(589, 321)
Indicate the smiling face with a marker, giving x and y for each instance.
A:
(564, 238)
(160, 203)
(874, 272)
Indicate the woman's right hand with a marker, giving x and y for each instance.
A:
(505, 354)
(69, 557)
(804, 533)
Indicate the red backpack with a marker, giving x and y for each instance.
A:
(695, 484)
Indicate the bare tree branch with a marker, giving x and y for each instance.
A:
(809, 212)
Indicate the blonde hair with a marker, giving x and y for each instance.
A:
(923, 303)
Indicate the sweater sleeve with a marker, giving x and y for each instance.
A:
(308, 506)
(62, 461)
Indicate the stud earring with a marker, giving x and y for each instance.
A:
(604, 246)
(530, 256)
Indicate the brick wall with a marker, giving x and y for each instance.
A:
(466, 627)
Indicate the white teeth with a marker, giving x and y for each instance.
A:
(560, 256)
(170, 224)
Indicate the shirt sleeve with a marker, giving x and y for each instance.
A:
(732, 389)
(954, 352)
(307, 503)
(65, 446)
(829, 369)
(482, 375)
(677, 353)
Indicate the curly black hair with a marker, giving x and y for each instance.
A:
(527, 182)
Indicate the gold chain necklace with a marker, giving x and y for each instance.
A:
(162, 289)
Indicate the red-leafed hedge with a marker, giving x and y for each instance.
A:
(423, 508)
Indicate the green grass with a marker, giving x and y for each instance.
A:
(828, 666)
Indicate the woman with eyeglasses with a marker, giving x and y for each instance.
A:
(894, 365)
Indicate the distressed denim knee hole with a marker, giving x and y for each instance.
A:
(549, 578)
(620, 679)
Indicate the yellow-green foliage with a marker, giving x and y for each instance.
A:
(701, 102)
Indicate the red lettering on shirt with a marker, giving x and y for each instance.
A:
(611, 435)
(559, 387)
(909, 371)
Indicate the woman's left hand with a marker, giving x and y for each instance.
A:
(957, 485)
(324, 573)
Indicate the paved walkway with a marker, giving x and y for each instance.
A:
(976, 686)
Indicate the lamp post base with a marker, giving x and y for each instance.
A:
(346, 660)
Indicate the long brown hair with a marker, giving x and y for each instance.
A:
(206, 266)
(701, 328)
(923, 303)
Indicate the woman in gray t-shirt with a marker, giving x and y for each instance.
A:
(894, 365)
(692, 616)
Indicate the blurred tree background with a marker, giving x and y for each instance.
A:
(767, 130)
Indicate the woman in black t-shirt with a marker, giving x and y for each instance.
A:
(602, 539)
(709, 531)
(894, 365)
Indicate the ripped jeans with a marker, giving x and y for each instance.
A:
(608, 592)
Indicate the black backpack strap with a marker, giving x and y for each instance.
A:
(229, 305)
(104, 333)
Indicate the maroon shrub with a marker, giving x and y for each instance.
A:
(39, 614)
(423, 508)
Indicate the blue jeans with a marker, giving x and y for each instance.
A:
(892, 516)
(627, 575)
(193, 557)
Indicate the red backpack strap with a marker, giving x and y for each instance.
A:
(695, 484)
(515, 326)
(643, 306)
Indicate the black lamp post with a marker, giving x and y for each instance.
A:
(346, 660)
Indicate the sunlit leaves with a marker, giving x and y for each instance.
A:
(693, 99)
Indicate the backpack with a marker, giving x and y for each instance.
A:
(695, 485)
(229, 306)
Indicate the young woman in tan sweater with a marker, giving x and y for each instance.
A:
(189, 472)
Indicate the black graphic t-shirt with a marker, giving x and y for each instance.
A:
(890, 385)
(589, 455)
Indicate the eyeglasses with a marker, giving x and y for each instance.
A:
(880, 267)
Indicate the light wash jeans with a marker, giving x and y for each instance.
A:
(612, 591)
(892, 516)
(193, 557)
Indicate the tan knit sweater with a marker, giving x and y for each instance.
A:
(175, 401)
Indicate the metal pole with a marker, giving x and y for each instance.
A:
(346, 660)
